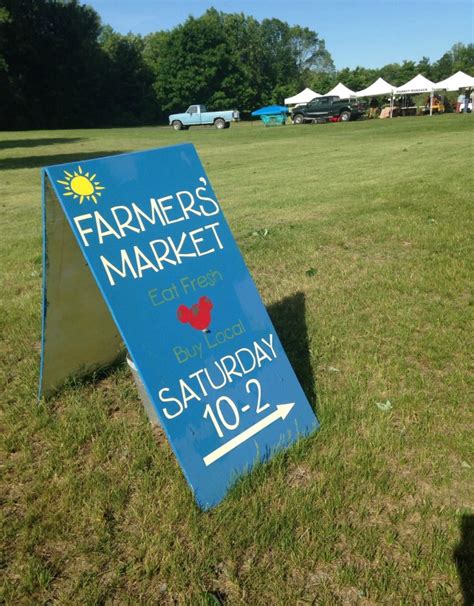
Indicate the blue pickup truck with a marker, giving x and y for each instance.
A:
(197, 115)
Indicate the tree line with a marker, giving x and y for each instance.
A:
(60, 67)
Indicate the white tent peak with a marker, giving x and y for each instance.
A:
(418, 84)
(341, 90)
(305, 96)
(456, 81)
(379, 87)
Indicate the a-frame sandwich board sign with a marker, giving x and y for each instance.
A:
(136, 248)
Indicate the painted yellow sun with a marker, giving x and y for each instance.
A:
(81, 185)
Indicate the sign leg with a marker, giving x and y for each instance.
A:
(79, 335)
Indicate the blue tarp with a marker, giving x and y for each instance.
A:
(270, 110)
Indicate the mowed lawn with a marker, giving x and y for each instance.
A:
(359, 237)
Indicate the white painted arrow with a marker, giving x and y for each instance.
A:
(281, 412)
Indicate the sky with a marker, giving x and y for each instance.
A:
(369, 33)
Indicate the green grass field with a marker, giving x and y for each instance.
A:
(366, 268)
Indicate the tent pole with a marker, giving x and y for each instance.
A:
(431, 103)
(391, 105)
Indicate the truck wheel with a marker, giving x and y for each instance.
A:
(345, 116)
(177, 125)
(219, 123)
(298, 119)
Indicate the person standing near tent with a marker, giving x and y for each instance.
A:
(466, 102)
(460, 103)
(373, 108)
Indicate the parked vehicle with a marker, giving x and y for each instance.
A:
(323, 108)
(197, 115)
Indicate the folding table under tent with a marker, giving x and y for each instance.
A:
(305, 96)
(341, 91)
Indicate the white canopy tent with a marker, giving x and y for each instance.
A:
(418, 84)
(455, 82)
(379, 87)
(341, 90)
(305, 96)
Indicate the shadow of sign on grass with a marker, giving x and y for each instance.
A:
(14, 143)
(464, 559)
(289, 319)
(49, 160)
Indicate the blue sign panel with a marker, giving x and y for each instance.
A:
(155, 238)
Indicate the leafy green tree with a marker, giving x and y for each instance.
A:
(357, 78)
(247, 80)
(231, 59)
(424, 67)
(309, 51)
(279, 65)
(54, 60)
(4, 18)
(128, 78)
(65, 70)
(191, 62)
(314, 62)
(321, 82)
(459, 57)
(297, 56)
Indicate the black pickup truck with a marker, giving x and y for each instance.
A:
(323, 108)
